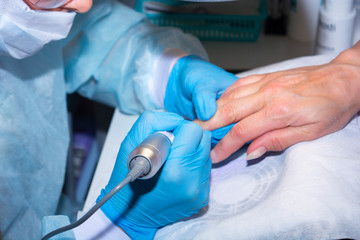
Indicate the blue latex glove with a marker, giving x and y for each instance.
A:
(178, 190)
(218, 134)
(194, 86)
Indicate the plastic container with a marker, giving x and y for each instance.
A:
(356, 37)
(211, 26)
(336, 26)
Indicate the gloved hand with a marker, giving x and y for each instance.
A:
(193, 87)
(178, 190)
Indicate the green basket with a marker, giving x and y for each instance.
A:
(215, 27)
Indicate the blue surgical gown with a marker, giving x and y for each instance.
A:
(108, 56)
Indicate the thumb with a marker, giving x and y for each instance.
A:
(205, 104)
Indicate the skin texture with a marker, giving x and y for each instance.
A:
(80, 6)
(279, 109)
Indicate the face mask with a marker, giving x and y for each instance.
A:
(24, 31)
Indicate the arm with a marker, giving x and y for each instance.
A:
(111, 55)
(279, 109)
(117, 57)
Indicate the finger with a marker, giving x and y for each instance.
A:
(189, 160)
(279, 140)
(208, 91)
(198, 166)
(244, 81)
(248, 85)
(233, 112)
(204, 151)
(187, 138)
(244, 131)
(150, 122)
(205, 104)
(258, 80)
(225, 148)
(235, 93)
(218, 134)
(277, 80)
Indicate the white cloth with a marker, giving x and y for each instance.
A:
(23, 31)
(98, 227)
(309, 191)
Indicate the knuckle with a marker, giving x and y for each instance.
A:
(248, 79)
(228, 113)
(277, 144)
(311, 133)
(231, 95)
(272, 88)
(279, 110)
(239, 130)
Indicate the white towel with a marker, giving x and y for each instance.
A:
(309, 191)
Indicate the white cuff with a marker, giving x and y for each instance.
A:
(163, 66)
(99, 227)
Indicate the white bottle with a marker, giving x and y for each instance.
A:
(336, 26)
(356, 37)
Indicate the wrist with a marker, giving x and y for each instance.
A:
(350, 56)
(163, 67)
(347, 68)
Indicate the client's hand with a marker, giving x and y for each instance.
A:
(280, 109)
(178, 190)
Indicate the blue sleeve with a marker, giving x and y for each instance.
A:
(112, 52)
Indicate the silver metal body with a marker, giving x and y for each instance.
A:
(155, 149)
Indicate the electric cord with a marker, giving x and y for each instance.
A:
(143, 162)
(141, 167)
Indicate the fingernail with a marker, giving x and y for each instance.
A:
(256, 153)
